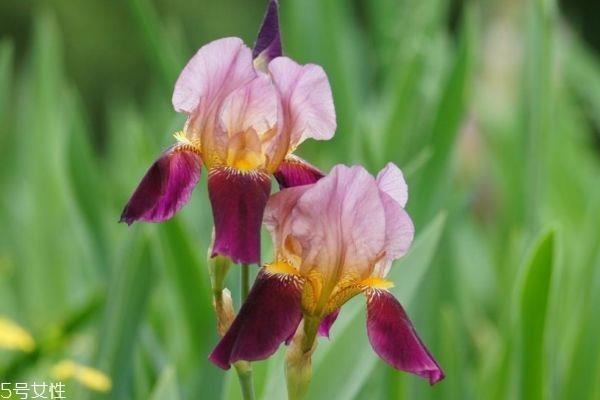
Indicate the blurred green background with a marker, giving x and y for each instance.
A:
(492, 109)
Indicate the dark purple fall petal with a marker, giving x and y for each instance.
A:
(394, 339)
(327, 322)
(294, 171)
(268, 317)
(238, 202)
(268, 41)
(165, 188)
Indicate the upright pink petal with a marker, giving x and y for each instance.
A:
(399, 234)
(394, 339)
(268, 317)
(253, 105)
(340, 224)
(238, 202)
(294, 171)
(391, 181)
(214, 71)
(165, 188)
(268, 41)
(307, 100)
(278, 212)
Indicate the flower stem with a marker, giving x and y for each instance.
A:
(298, 360)
(245, 281)
(244, 368)
(244, 373)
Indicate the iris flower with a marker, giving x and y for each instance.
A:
(334, 239)
(247, 111)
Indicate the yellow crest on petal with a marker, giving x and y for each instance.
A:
(377, 283)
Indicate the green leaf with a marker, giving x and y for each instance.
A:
(166, 387)
(533, 308)
(449, 117)
(131, 285)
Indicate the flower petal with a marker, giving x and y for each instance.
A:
(394, 339)
(277, 216)
(268, 41)
(268, 317)
(340, 224)
(391, 181)
(327, 323)
(214, 71)
(238, 202)
(294, 171)
(306, 98)
(253, 105)
(165, 188)
(399, 234)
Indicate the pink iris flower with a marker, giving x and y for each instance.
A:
(334, 239)
(247, 111)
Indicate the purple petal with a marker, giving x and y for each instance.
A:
(268, 317)
(238, 202)
(268, 41)
(165, 188)
(294, 171)
(394, 339)
(327, 322)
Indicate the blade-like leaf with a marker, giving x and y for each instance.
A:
(533, 309)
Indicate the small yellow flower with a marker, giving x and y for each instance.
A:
(14, 337)
(89, 377)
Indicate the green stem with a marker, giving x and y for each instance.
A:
(245, 281)
(244, 368)
(244, 373)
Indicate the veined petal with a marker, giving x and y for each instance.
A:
(277, 217)
(340, 224)
(165, 188)
(253, 105)
(395, 340)
(294, 171)
(268, 317)
(238, 202)
(399, 228)
(391, 181)
(268, 41)
(327, 323)
(306, 98)
(214, 71)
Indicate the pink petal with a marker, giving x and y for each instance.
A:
(307, 100)
(268, 42)
(399, 232)
(294, 171)
(165, 188)
(394, 339)
(340, 223)
(268, 317)
(278, 212)
(253, 105)
(238, 202)
(327, 323)
(214, 71)
(391, 181)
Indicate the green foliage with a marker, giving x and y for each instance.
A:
(493, 125)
